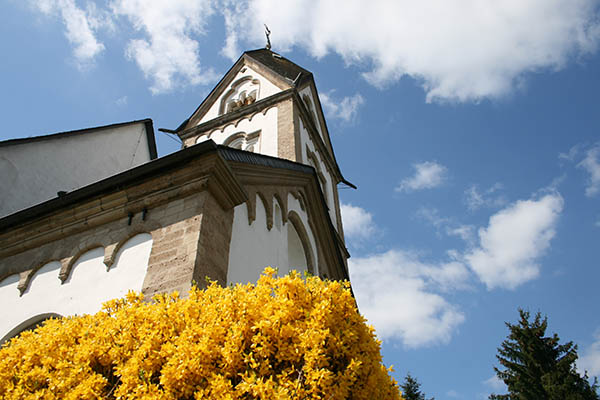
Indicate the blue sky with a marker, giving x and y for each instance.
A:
(470, 128)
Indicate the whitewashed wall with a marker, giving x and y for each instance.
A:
(254, 247)
(34, 172)
(83, 292)
(263, 122)
(267, 88)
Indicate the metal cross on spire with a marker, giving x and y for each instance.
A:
(268, 34)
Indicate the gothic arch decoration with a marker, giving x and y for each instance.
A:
(297, 224)
(283, 206)
(27, 276)
(314, 162)
(268, 195)
(69, 262)
(82, 257)
(28, 324)
(243, 141)
(149, 226)
(244, 91)
(309, 108)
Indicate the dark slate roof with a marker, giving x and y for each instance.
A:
(148, 169)
(147, 122)
(279, 64)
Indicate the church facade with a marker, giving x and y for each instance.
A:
(254, 185)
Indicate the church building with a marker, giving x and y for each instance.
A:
(93, 213)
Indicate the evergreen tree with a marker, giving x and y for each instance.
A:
(411, 389)
(538, 367)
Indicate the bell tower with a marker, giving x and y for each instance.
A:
(266, 104)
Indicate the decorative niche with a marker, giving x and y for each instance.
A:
(242, 92)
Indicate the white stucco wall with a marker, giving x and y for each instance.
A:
(265, 122)
(34, 172)
(83, 292)
(267, 88)
(253, 247)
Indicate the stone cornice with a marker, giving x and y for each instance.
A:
(206, 172)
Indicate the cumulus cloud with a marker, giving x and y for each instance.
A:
(397, 294)
(80, 27)
(358, 223)
(590, 359)
(514, 239)
(345, 109)
(459, 50)
(428, 175)
(446, 225)
(168, 54)
(476, 199)
(591, 164)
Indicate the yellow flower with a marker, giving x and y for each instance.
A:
(283, 338)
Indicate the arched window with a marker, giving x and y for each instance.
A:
(243, 92)
(244, 141)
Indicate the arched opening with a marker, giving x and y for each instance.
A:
(300, 254)
(296, 255)
(243, 141)
(243, 92)
(28, 325)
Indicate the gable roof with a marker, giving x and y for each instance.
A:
(293, 75)
(279, 64)
(147, 122)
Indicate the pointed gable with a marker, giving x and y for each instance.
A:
(258, 74)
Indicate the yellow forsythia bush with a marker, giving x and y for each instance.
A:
(283, 338)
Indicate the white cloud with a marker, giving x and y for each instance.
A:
(590, 359)
(169, 54)
(572, 154)
(396, 293)
(495, 383)
(122, 101)
(591, 164)
(428, 175)
(460, 50)
(514, 239)
(488, 198)
(80, 27)
(358, 223)
(345, 109)
(446, 225)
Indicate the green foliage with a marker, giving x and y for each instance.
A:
(537, 367)
(411, 389)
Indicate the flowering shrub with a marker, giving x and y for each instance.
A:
(283, 338)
